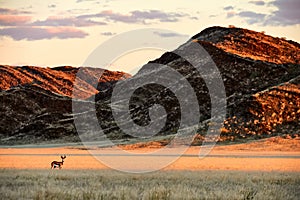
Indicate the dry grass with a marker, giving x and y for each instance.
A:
(106, 184)
(207, 178)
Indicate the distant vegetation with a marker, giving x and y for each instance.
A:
(88, 184)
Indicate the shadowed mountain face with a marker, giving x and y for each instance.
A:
(261, 75)
(36, 102)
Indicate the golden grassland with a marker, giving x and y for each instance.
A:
(25, 174)
(108, 184)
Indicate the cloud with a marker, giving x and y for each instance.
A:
(194, 18)
(228, 8)
(166, 34)
(52, 6)
(12, 11)
(22, 27)
(7, 11)
(258, 2)
(12, 17)
(108, 33)
(287, 14)
(249, 16)
(156, 14)
(13, 20)
(212, 16)
(231, 14)
(78, 10)
(70, 21)
(169, 20)
(137, 16)
(36, 33)
(252, 17)
(111, 16)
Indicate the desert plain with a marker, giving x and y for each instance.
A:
(265, 169)
(272, 154)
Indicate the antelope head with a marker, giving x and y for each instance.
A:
(63, 157)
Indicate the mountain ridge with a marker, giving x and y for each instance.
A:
(59, 80)
(258, 81)
(252, 44)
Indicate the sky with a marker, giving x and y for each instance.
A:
(56, 33)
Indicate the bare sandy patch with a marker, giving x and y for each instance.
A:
(265, 155)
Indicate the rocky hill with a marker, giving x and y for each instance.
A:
(262, 82)
(261, 75)
(261, 78)
(36, 102)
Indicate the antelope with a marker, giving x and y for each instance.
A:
(55, 164)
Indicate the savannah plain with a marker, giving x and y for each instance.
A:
(265, 169)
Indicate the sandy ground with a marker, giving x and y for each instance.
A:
(274, 154)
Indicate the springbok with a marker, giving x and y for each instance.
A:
(55, 164)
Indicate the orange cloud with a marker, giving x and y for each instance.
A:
(36, 33)
(13, 20)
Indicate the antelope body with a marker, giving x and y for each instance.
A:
(57, 164)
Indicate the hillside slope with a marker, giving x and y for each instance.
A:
(59, 80)
(261, 78)
(261, 75)
(251, 44)
(36, 102)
